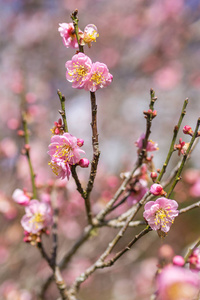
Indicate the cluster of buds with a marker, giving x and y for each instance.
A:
(194, 259)
(188, 130)
(181, 147)
(58, 127)
(150, 113)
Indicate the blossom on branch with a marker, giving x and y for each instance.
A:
(151, 146)
(60, 168)
(194, 259)
(99, 77)
(65, 147)
(90, 34)
(68, 35)
(38, 217)
(78, 70)
(21, 197)
(160, 214)
(157, 189)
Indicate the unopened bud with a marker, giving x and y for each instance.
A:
(178, 261)
(153, 175)
(156, 189)
(20, 132)
(84, 162)
(80, 142)
(188, 130)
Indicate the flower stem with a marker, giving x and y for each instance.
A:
(171, 149)
(26, 138)
(75, 22)
(62, 111)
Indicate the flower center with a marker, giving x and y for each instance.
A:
(38, 218)
(64, 151)
(79, 71)
(161, 217)
(97, 77)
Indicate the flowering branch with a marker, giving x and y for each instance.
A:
(171, 149)
(190, 251)
(177, 178)
(62, 112)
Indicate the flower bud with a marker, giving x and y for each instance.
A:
(84, 162)
(80, 142)
(156, 189)
(153, 175)
(178, 261)
(188, 130)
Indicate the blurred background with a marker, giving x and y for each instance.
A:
(146, 44)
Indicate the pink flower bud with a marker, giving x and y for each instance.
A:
(21, 197)
(156, 189)
(153, 175)
(187, 130)
(84, 163)
(80, 142)
(178, 261)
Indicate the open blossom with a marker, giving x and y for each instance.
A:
(67, 32)
(90, 34)
(21, 197)
(99, 77)
(176, 283)
(38, 216)
(151, 146)
(78, 70)
(64, 147)
(160, 214)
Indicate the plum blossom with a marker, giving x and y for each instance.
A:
(65, 147)
(176, 283)
(178, 260)
(84, 162)
(21, 197)
(151, 146)
(78, 70)
(90, 34)
(160, 214)
(38, 216)
(188, 130)
(99, 77)
(68, 35)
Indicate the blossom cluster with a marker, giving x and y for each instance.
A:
(85, 74)
(65, 151)
(67, 32)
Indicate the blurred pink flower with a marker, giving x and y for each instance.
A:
(99, 77)
(78, 70)
(38, 216)
(151, 146)
(168, 77)
(178, 260)
(68, 35)
(176, 283)
(21, 197)
(140, 189)
(65, 147)
(195, 189)
(160, 214)
(194, 259)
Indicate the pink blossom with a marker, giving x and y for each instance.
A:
(38, 216)
(78, 70)
(90, 34)
(160, 214)
(139, 190)
(60, 168)
(64, 147)
(195, 189)
(84, 162)
(176, 283)
(156, 189)
(194, 259)
(68, 35)
(151, 146)
(99, 77)
(21, 197)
